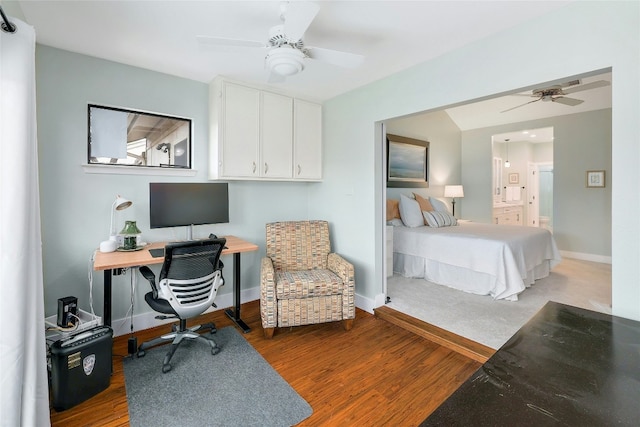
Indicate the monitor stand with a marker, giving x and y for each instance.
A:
(190, 232)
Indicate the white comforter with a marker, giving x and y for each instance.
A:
(504, 259)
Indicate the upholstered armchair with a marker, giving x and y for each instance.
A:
(301, 281)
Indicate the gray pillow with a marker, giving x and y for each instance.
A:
(410, 212)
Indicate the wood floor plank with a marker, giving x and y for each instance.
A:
(375, 374)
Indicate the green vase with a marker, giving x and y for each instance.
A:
(130, 234)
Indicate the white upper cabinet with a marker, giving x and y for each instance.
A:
(261, 135)
(277, 140)
(307, 137)
(240, 126)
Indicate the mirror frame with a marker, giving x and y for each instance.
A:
(159, 144)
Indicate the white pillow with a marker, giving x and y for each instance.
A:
(438, 205)
(439, 219)
(410, 212)
(396, 222)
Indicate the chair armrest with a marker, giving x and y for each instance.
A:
(268, 302)
(148, 274)
(344, 269)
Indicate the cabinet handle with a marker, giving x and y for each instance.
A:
(299, 169)
(254, 167)
(266, 167)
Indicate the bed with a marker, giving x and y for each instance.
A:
(485, 259)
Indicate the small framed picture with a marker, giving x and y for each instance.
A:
(514, 178)
(595, 179)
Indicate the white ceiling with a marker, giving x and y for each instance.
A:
(490, 112)
(392, 36)
(161, 35)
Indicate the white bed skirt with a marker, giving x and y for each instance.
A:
(461, 278)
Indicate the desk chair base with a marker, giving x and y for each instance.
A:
(179, 333)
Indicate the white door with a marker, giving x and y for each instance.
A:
(533, 195)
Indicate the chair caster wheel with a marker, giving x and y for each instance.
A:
(215, 350)
(166, 368)
(141, 353)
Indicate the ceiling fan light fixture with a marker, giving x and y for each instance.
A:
(285, 61)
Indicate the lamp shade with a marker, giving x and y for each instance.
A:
(121, 203)
(453, 191)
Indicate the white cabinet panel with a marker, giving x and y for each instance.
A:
(308, 140)
(507, 215)
(241, 131)
(276, 146)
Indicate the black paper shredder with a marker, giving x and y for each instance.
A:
(80, 367)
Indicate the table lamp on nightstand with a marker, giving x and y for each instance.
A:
(110, 245)
(453, 191)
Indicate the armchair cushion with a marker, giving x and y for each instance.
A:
(307, 283)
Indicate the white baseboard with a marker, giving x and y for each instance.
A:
(368, 304)
(587, 257)
(147, 320)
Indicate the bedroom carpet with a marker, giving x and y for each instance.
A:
(480, 318)
(234, 387)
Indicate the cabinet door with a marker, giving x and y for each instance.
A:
(307, 140)
(276, 146)
(241, 126)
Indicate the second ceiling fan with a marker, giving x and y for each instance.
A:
(557, 93)
(285, 52)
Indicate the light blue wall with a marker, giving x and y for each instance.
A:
(75, 205)
(581, 142)
(444, 152)
(13, 9)
(579, 38)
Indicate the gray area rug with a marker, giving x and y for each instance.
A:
(492, 322)
(234, 387)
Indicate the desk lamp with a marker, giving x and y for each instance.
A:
(453, 191)
(110, 245)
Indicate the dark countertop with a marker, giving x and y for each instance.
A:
(565, 367)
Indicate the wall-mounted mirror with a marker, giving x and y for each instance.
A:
(135, 138)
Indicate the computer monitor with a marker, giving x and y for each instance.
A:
(188, 204)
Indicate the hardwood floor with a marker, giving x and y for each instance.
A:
(375, 374)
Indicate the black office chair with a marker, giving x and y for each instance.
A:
(189, 281)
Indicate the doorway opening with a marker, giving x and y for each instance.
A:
(522, 189)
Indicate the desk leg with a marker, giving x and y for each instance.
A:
(106, 312)
(235, 314)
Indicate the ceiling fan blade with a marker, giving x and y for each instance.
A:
(297, 18)
(335, 57)
(567, 101)
(521, 105)
(221, 41)
(586, 86)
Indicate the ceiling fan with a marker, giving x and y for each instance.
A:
(556, 93)
(286, 53)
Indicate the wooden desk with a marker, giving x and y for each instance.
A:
(113, 263)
